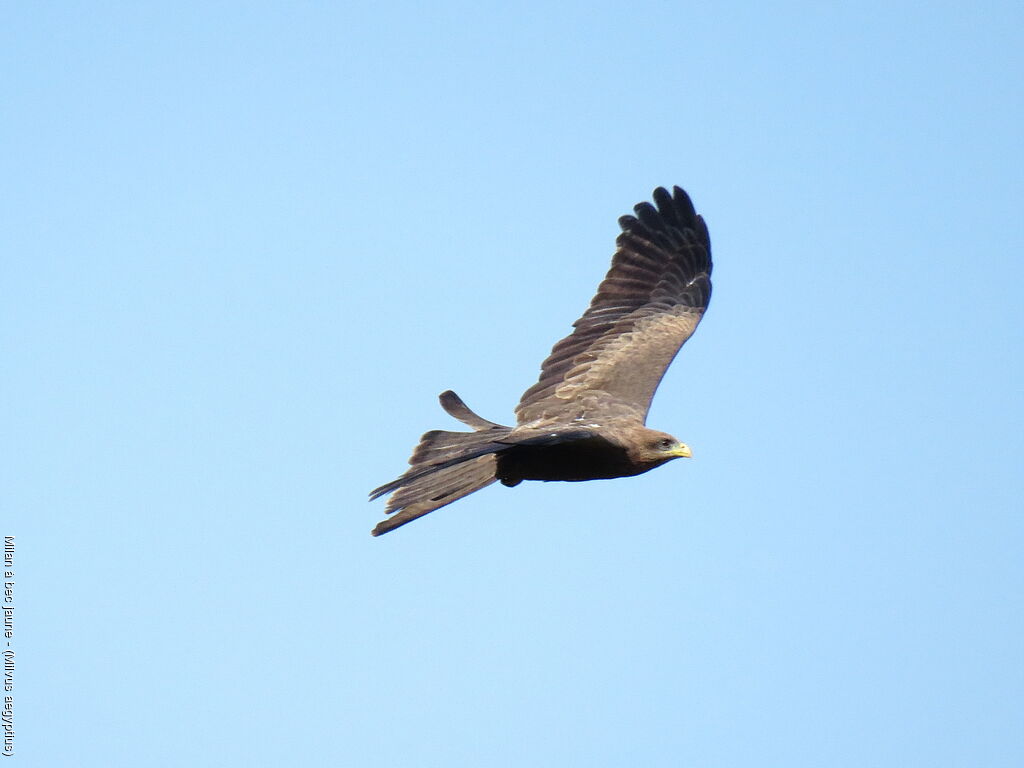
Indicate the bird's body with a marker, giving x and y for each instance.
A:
(584, 419)
(589, 458)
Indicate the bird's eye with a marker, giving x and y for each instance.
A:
(665, 444)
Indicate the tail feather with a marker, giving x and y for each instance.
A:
(440, 446)
(445, 466)
(436, 490)
(438, 450)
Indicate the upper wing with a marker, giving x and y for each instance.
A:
(649, 303)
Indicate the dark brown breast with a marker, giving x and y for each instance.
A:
(591, 459)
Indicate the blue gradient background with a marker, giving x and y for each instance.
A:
(244, 246)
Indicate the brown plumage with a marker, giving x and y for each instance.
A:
(584, 419)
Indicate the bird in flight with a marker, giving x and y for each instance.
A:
(585, 418)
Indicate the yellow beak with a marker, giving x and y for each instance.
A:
(682, 451)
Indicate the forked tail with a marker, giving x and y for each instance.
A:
(444, 467)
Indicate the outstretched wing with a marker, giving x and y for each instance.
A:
(648, 305)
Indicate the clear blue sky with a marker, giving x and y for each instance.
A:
(244, 247)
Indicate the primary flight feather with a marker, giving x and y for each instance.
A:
(585, 417)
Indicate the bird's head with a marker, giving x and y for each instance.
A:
(658, 447)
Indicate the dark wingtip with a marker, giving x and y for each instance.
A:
(681, 203)
(456, 408)
(386, 526)
(397, 521)
(449, 400)
(649, 215)
(666, 207)
(674, 209)
(376, 493)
